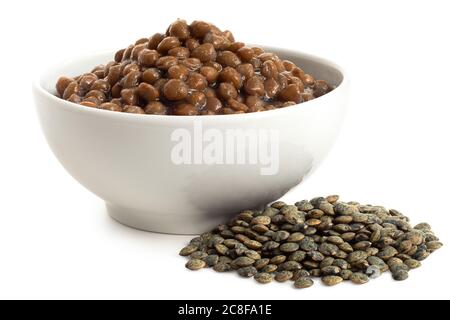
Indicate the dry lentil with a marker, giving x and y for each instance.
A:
(352, 242)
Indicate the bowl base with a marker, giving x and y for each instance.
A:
(157, 222)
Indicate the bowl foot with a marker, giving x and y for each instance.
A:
(158, 222)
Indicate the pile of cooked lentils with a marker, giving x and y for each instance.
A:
(192, 69)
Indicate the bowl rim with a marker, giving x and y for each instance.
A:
(74, 107)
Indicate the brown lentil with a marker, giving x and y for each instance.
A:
(110, 106)
(147, 92)
(175, 90)
(179, 52)
(148, 58)
(179, 29)
(155, 107)
(88, 104)
(185, 109)
(133, 109)
(151, 75)
(74, 98)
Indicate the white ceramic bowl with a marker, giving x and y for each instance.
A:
(125, 159)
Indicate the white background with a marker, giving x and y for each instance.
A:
(56, 240)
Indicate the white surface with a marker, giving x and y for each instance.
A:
(126, 159)
(56, 240)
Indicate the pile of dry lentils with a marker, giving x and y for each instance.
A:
(323, 237)
(194, 69)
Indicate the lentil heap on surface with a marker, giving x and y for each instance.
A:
(322, 237)
(194, 69)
